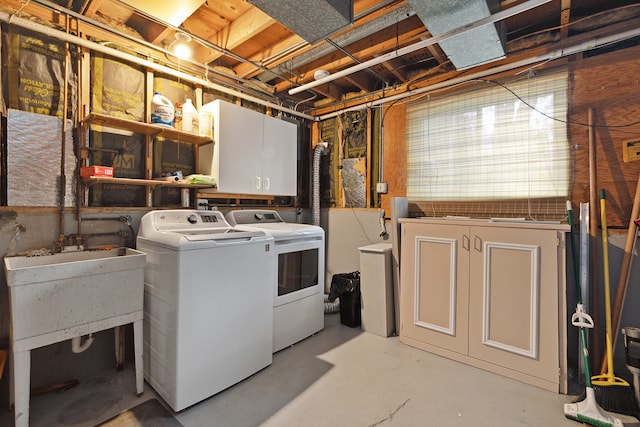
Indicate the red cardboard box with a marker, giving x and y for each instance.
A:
(104, 171)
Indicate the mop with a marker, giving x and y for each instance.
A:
(612, 393)
(586, 411)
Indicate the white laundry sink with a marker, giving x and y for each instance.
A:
(62, 296)
(67, 290)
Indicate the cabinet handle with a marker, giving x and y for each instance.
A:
(477, 243)
(258, 183)
(465, 242)
(267, 184)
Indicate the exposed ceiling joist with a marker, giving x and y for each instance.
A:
(235, 36)
(433, 40)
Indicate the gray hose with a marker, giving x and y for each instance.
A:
(317, 152)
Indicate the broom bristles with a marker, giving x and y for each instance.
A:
(617, 398)
(588, 411)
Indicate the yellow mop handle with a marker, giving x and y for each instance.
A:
(608, 377)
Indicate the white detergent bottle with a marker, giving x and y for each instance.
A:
(162, 110)
(189, 117)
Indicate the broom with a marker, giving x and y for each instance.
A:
(613, 393)
(586, 411)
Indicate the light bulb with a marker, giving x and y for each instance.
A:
(182, 51)
(180, 45)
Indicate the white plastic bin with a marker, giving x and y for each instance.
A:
(376, 289)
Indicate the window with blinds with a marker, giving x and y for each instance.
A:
(491, 141)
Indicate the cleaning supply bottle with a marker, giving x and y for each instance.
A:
(206, 120)
(162, 110)
(177, 113)
(189, 117)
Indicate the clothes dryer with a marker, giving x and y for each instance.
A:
(298, 277)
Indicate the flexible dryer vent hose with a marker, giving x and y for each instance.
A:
(317, 152)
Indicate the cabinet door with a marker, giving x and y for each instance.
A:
(238, 149)
(513, 300)
(279, 157)
(435, 285)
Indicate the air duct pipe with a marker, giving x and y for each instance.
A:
(317, 152)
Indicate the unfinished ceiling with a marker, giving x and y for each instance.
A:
(382, 48)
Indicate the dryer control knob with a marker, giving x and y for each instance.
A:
(192, 219)
(259, 216)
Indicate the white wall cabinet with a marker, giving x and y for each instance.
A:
(252, 153)
(488, 294)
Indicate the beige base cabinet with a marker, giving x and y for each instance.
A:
(488, 294)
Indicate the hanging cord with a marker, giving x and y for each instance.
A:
(22, 6)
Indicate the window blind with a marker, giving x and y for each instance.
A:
(491, 141)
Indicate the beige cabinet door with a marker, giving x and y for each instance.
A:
(513, 310)
(434, 294)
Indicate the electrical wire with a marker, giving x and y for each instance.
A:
(577, 21)
(570, 122)
(22, 6)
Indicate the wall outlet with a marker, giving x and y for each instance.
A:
(202, 204)
(382, 188)
(631, 150)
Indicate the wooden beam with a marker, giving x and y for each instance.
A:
(565, 18)
(533, 52)
(247, 70)
(342, 61)
(292, 44)
(246, 27)
(363, 81)
(394, 70)
(91, 7)
(438, 54)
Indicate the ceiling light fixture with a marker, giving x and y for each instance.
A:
(504, 14)
(180, 45)
(320, 74)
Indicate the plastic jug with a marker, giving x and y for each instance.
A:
(206, 120)
(189, 117)
(162, 110)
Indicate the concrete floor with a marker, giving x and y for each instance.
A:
(339, 377)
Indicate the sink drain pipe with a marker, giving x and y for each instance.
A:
(78, 346)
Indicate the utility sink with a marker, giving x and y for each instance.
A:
(69, 289)
(59, 297)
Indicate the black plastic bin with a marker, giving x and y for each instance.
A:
(346, 286)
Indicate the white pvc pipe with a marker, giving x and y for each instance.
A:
(422, 44)
(24, 23)
(557, 54)
(77, 346)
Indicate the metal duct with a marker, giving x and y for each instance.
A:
(479, 46)
(312, 20)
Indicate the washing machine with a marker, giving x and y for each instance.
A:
(208, 310)
(298, 277)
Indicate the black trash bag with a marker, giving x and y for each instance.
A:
(344, 282)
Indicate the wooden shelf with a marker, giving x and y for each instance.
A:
(145, 182)
(146, 129)
(215, 195)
